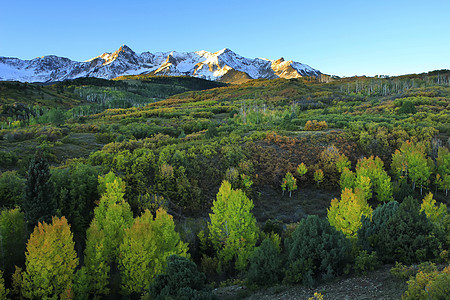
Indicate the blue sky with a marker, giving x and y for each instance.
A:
(344, 38)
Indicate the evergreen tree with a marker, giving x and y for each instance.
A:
(265, 264)
(408, 235)
(182, 280)
(39, 204)
(316, 251)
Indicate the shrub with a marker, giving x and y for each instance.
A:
(265, 264)
(400, 271)
(315, 125)
(429, 284)
(407, 236)
(366, 262)
(316, 251)
(182, 280)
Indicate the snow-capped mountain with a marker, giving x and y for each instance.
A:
(223, 65)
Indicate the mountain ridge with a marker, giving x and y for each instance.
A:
(124, 61)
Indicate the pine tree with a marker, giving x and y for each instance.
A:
(39, 204)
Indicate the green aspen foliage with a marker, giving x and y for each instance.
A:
(289, 183)
(411, 161)
(345, 214)
(318, 176)
(372, 168)
(347, 179)
(233, 230)
(145, 248)
(342, 162)
(436, 214)
(112, 216)
(96, 265)
(50, 261)
(113, 213)
(3, 290)
(302, 169)
(443, 169)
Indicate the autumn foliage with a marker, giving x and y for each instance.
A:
(50, 261)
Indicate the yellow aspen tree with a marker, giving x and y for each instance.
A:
(50, 261)
(345, 214)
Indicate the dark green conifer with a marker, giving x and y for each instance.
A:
(39, 204)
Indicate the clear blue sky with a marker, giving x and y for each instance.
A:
(344, 38)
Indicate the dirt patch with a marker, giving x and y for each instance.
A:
(378, 284)
(272, 204)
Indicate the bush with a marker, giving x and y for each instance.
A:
(181, 281)
(265, 264)
(366, 262)
(429, 284)
(316, 251)
(400, 271)
(315, 125)
(407, 236)
(8, 159)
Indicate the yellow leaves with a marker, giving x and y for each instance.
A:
(435, 214)
(318, 176)
(345, 214)
(50, 260)
(302, 169)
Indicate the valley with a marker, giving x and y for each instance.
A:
(141, 167)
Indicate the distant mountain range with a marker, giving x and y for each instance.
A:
(224, 65)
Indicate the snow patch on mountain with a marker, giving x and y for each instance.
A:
(124, 61)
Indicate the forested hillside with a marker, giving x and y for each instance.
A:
(160, 187)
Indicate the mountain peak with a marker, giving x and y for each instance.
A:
(224, 50)
(125, 48)
(124, 61)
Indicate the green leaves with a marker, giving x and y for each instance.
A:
(289, 183)
(145, 248)
(233, 229)
(345, 214)
(50, 261)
